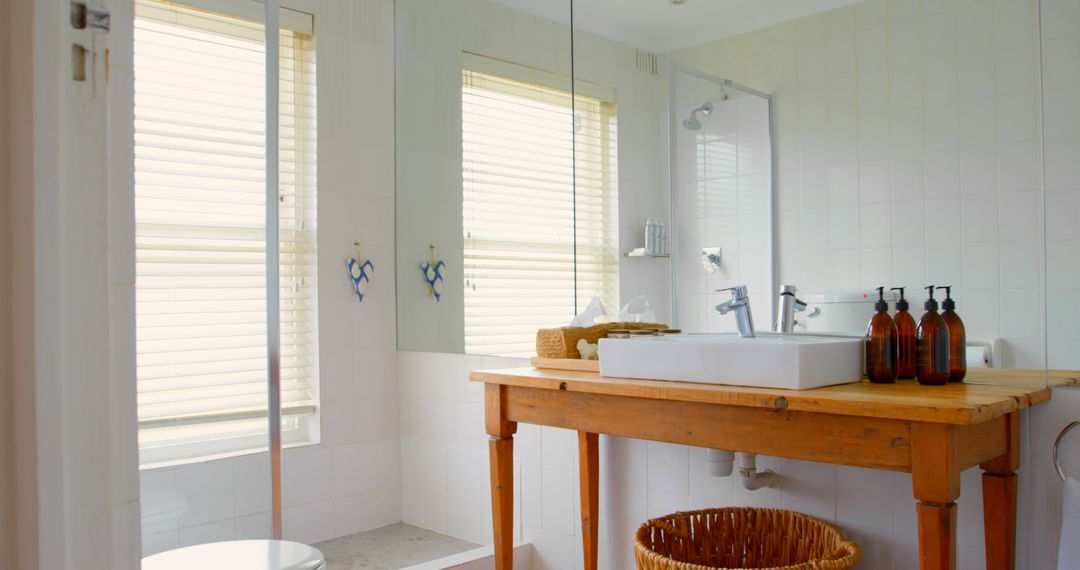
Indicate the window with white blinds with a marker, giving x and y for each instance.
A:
(200, 222)
(520, 208)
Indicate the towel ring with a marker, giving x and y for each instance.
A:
(1058, 441)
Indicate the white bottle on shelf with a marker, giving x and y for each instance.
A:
(651, 236)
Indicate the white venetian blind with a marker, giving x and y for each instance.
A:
(519, 206)
(200, 222)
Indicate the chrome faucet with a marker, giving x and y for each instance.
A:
(786, 307)
(740, 304)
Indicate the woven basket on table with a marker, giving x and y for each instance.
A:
(738, 537)
(562, 342)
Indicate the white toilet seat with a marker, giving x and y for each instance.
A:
(239, 555)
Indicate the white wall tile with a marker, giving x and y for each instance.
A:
(908, 223)
(978, 168)
(354, 469)
(254, 526)
(1062, 168)
(874, 182)
(875, 225)
(844, 184)
(559, 448)
(810, 488)
(465, 474)
(866, 499)
(251, 481)
(208, 490)
(355, 514)
(944, 264)
(977, 124)
(1066, 117)
(557, 491)
(1020, 266)
(908, 177)
(308, 476)
(463, 520)
(843, 227)
(1062, 209)
(310, 523)
(668, 468)
(1062, 264)
(980, 265)
(979, 218)
(424, 510)
(942, 174)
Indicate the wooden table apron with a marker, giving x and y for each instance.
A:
(934, 452)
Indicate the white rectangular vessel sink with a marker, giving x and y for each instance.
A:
(792, 361)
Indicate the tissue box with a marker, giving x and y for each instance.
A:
(562, 342)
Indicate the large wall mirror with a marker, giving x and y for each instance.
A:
(485, 177)
(832, 145)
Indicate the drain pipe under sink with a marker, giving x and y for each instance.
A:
(719, 462)
(752, 479)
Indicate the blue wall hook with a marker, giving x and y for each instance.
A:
(433, 275)
(359, 273)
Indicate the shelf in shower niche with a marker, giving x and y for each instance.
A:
(640, 252)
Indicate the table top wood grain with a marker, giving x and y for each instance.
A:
(986, 393)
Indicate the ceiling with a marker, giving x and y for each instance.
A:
(662, 27)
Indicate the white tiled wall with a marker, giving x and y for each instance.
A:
(1061, 91)
(896, 173)
(351, 480)
(896, 164)
(907, 152)
(445, 481)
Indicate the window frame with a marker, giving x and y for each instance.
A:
(299, 237)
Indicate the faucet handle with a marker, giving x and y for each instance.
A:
(737, 292)
(792, 291)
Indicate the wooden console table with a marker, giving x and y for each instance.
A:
(933, 432)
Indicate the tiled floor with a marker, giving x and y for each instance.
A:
(389, 548)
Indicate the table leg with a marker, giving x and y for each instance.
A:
(501, 448)
(999, 500)
(935, 473)
(589, 466)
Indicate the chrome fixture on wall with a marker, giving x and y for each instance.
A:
(693, 123)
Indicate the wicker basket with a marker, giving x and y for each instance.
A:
(562, 342)
(738, 537)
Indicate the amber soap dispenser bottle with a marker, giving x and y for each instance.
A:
(881, 344)
(957, 337)
(932, 345)
(905, 330)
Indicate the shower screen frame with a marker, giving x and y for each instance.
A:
(271, 25)
(674, 124)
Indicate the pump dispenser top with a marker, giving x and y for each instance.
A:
(948, 304)
(881, 304)
(902, 304)
(930, 304)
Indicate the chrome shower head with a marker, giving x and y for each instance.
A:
(692, 123)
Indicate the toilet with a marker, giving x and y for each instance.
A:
(239, 555)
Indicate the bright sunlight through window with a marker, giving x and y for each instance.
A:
(520, 209)
(199, 245)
